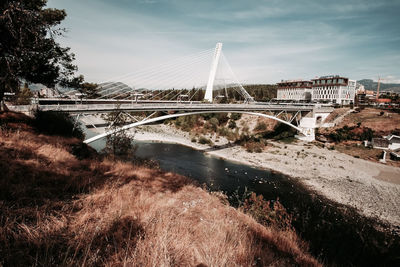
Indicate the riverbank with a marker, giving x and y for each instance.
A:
(372, 188)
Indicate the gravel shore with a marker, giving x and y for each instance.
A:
(372, 188)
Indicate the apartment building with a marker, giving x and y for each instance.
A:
(294, 90)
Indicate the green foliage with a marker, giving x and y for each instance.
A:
(254, 147)
(281, 131)
(351, 133)
(367, 134)
(186, 123)
(28, 47)
(269, 213)
(90, 89)
(57, 123)
(119, 143)
(261, 92)
(236, 116)
(232, 124)
(222, 118)
(251, 143)
(203, 140)
(260, 127)
(207, 116)
(24, 96)
(228, 133)
(214, 123)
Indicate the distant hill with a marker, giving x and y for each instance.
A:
(372, 85)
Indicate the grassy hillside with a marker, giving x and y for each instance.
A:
(62, 204)
(364, 125)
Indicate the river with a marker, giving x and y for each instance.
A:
(337, 234)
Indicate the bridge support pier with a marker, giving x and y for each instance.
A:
(309, 124)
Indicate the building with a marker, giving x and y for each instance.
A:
(360, 89)
(394, 142)
(380, 143)
(390, 142)
(395, 154)
(49, 92)
(333, 89)
(294, 90)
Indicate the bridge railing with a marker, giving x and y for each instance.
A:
(163, 105)
(20, 108)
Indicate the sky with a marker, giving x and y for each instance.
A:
(265, 41)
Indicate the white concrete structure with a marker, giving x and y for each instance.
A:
(309, 124)
(394, 142)
(294, 90)
(333, 89)
(211, 78)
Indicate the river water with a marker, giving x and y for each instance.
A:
(337, 234)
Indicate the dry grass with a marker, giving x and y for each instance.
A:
(370, 117)
(58, 210)
(335, 114)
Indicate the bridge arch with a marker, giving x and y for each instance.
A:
(170, 116)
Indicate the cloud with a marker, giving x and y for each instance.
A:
(265, 41)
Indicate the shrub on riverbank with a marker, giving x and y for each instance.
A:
(57, 123)
(204, 140)
(57, 209)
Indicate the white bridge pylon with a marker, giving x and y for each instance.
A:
(213, 71)
(170, 116)
(176, 78)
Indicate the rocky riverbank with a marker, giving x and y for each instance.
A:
(372, 188)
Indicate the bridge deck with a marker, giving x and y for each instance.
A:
(137, 107)
(98, 108)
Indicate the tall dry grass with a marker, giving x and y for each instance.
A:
(58, 210)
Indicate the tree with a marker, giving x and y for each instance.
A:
(120, 142)
(90, 89)
(28, 49)
(24, 95)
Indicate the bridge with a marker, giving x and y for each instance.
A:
(122, 98)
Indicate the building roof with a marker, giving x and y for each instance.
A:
(380, 142)
(396, 153)
(330, 77)
(393, 139)
(384, 100)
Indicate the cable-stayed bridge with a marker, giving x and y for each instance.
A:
(185, 86)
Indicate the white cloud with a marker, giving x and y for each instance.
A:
(111, 41)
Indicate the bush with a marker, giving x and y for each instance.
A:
(367, 134)
(254, 147)
(214, 123)
(203, 140)
(260, 127)
(186, 123)
(236, 116)
(222, 118)
(57, 123)
(268, 213)
(24, 96)
(120, 145)
(282, 131)
(232, 124)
